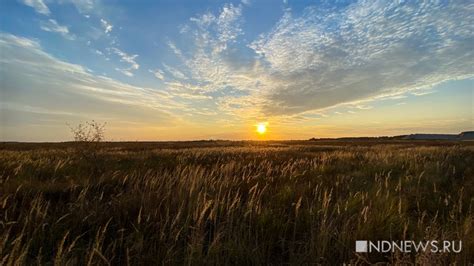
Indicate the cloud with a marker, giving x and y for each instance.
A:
(212, 63)
(38, 5)
(217, 32)
(175, 50)
(421, 93)
(227, 28)
(246, 2)
(159, 74)
(52, 25)
(363, 107)
(106, 25)
(83, 6)
(327, 57)
(38, 88)
(125, 71)
(175, 72)
(126, 58)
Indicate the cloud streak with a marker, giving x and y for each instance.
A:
(38, 5)
(106, 25)
(126, 58)
(52, 25)
(51, 90)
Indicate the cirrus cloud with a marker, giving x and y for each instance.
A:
(38, 5)
(41, 89)
(325, 58)
(52, 25)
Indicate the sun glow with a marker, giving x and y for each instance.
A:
(262, 128)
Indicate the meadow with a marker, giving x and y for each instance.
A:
(232, 203)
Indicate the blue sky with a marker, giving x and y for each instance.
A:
(166, 70)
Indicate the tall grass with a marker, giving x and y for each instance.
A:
(251, 204)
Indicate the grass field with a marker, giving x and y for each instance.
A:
(237, 203)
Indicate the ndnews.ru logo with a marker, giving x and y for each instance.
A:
(408, 246)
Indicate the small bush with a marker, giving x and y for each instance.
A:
(88, 137)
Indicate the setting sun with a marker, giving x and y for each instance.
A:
(262, 128)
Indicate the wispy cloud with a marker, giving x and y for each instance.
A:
(312, 62)
(83, 6)
(126, 58)
(363, 107)
(107, 26)
(125, 71)
(175, 72)
(228, 28)
(175, 50)
(159, 74)
(52, 25)
(35, 81)
(213, 64)
(421, 93)
(38, 5)
(326, 57)
(246, 2)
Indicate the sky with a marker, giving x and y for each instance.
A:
(187, 70)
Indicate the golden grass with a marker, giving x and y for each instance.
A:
(274, 203)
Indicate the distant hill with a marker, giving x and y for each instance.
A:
(467, 135)
(432, 137)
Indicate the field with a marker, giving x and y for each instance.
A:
(232, 203)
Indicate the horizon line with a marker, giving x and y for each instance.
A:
(266, 140)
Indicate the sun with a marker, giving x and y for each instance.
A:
(262, 128)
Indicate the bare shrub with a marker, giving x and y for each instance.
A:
(90, 132)
(88, 137)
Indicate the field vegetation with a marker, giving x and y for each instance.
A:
(237, 203)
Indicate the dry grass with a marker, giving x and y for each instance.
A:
(243, 203)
